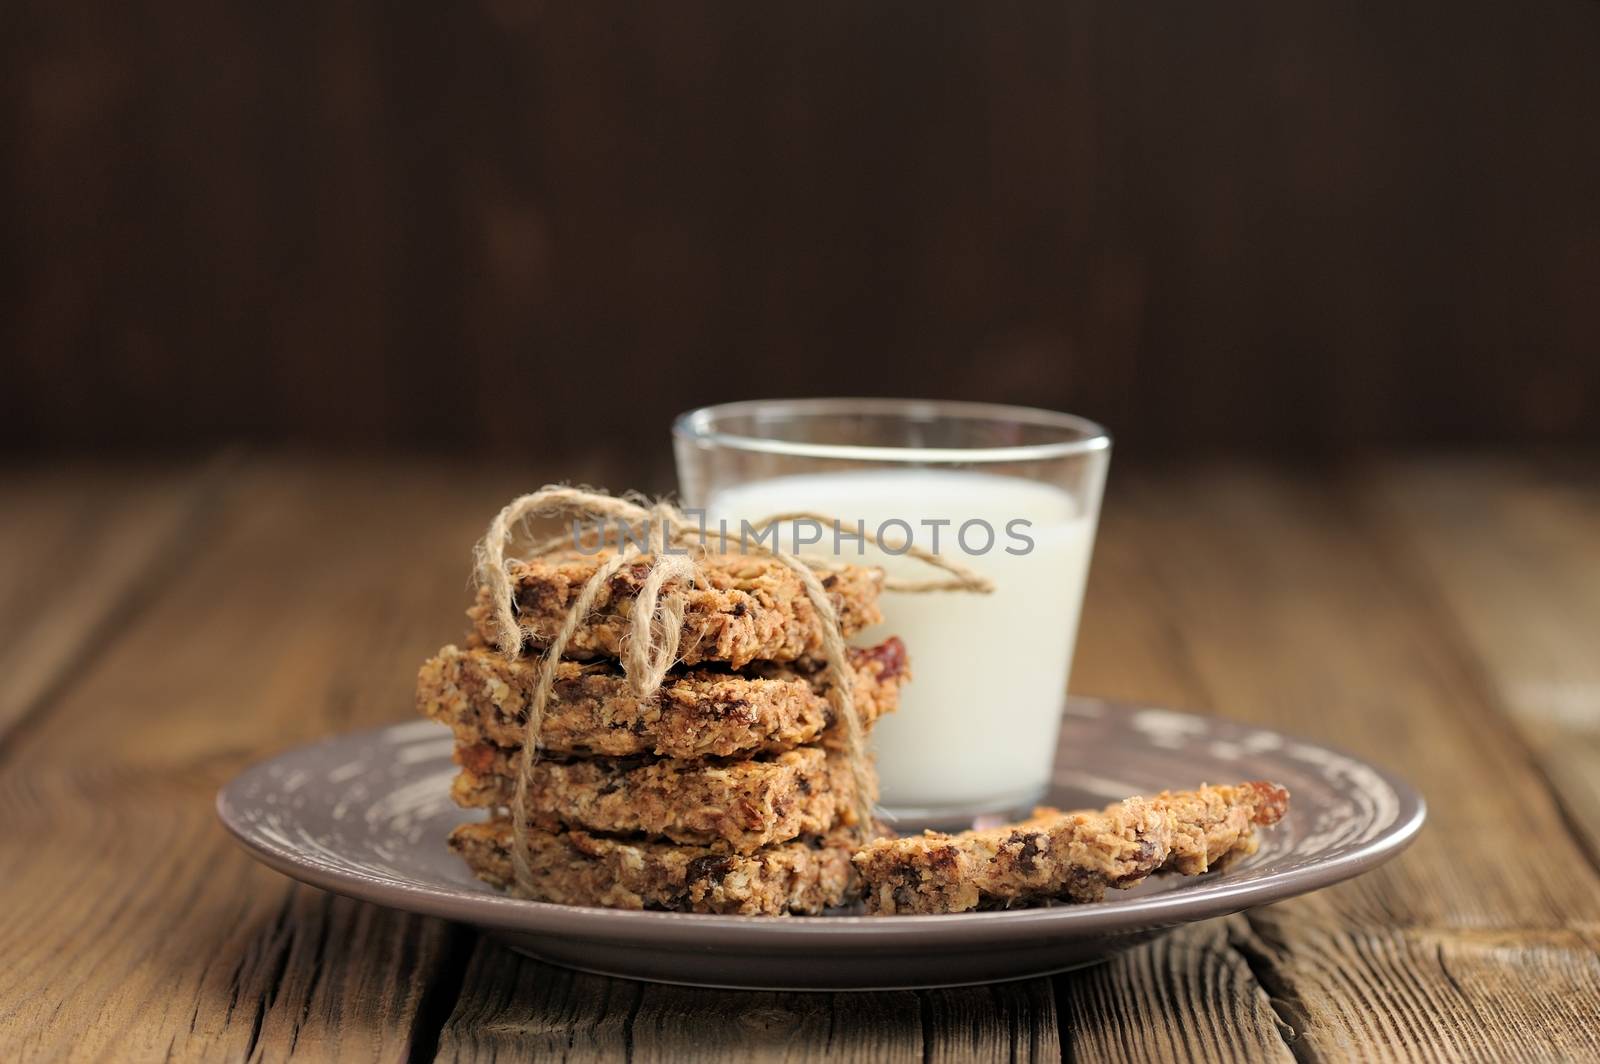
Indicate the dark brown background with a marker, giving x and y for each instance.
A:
(1264, 225)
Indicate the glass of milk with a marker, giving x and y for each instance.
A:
(1009, 492)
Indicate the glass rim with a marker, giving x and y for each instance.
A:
(698, 426)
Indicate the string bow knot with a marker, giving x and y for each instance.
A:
(651, 645)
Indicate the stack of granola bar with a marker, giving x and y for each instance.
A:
(728, 791)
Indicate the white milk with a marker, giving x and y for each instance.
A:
(977, 726)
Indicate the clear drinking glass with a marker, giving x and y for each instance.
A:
(1010, 492)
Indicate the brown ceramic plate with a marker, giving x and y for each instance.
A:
(367, 815)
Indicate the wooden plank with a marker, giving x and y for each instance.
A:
(677, 1022)
(132, 926)
(82, 548)
(512, 1006)
(1510, 552)
(1187, 996)
(1126, 209)
(1252, 594)
(1272, 599)
(1007, 1021)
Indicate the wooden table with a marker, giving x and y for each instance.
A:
(163, 626)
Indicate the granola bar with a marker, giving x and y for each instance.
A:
(737, 805)
(572, 867)
(700, 712)
(752, 607)
(1074, 857)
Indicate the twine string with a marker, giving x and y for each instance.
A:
(961, 578)
(652, 642)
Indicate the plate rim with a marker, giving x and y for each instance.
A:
(501, 912)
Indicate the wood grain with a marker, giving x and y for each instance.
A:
(1261, 226)
(1510, 554)
(513, 1006)
(82, 549)
(1349, 605)
(1275, 599)
(132, 926)
(1190, 995)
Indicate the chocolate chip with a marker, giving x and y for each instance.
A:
(1028, 858)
